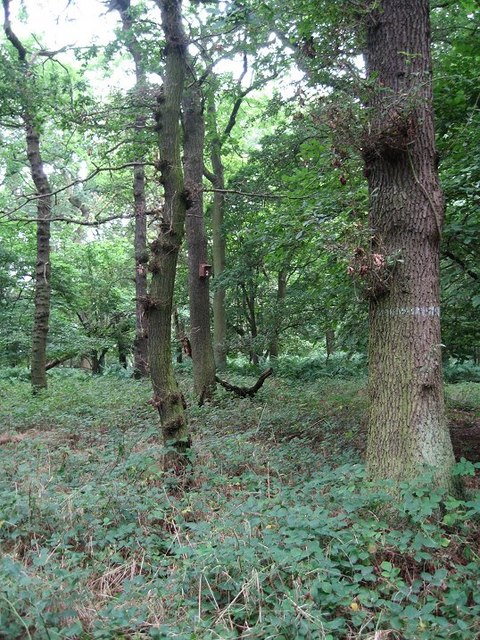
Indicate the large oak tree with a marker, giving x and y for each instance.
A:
(408, 433)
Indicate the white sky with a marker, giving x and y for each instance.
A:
(59, 23)
(80, 23)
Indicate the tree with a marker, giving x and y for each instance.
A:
(408, 433)
(17, 263)
(456, 61)
(217, 178)
(44, 206)
(199, 271)
(167, 397)
(91, 299)
(140, 345)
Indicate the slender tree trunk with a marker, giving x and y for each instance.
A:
(179, 334)
(167, 397)
(250, 313)
(123, 349)
(42, 270)
(198, 276)
(98, 362)
(330, 342)
(76, 202)
(44, 207)
(140, 345)
(218, 243)
(281, 295)
(217, 179)
(408, 433)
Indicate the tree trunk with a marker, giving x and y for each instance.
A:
(408, 433)
(198, 276)
(167, 397)
(218, 243)
(140, 344)
(98, 362)
(329, 343)
(123, 349)
(42, 271)
(277, 320)
(250, 314)
(44, 207)
(76, 202)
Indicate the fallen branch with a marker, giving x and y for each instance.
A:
(243, 392)
(57, 361)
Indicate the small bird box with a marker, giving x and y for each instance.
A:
(205, 270)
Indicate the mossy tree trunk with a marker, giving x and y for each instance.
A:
(408, 433)
(44, 207)
(198, 276)
(42, 270)
(167, 397)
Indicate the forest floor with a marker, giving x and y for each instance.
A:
(277, 535)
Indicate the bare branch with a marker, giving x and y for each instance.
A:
(245, 392)
(84, 223)
(35, 196)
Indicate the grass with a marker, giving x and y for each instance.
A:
(279, 535)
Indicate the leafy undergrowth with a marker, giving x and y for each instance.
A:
(278, 535)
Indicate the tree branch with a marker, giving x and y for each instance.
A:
(34, 196)
(12, 37)
(461, 263)
(243, 392)
(280, 196)
(84, 223)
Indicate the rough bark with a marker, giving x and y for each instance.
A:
(44, 207)
(167, 397)
(408, 432)
(198, 283)
(140, 345)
